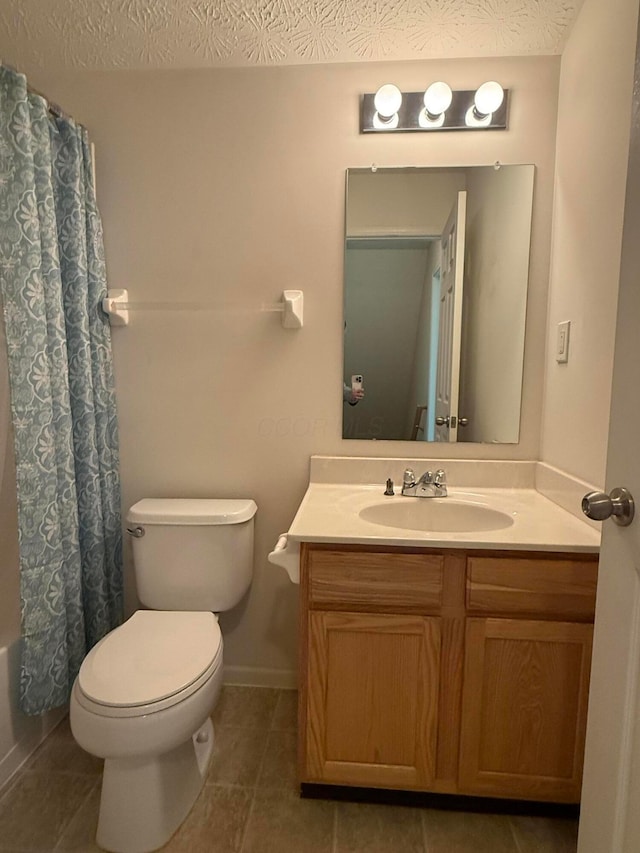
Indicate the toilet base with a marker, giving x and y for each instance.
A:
(144, 800)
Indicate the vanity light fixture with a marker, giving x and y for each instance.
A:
(437, 108)
(387, 101)
(487, 99)
(437, 100)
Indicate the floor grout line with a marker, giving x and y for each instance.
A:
(10, 784)
(273, 713)
(514, 835)
(67, 824)
(34, 771)
(247, 822)
(262, 760)
(423, 823)
(334, 845)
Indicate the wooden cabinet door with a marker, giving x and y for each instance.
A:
(372, 699)
(524, 708)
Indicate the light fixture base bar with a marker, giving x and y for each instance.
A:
(413, 106)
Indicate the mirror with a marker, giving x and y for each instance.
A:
(436, 271)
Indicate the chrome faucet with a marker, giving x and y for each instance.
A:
(429, 485)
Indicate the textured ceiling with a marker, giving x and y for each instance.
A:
(91, 34)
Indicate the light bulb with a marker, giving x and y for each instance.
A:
(387, 101)
(488, 98)
(437, 99)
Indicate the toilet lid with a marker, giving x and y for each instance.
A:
(153, 655)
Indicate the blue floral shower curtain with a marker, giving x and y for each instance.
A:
(62, 393)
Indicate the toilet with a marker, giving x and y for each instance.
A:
(144, 694)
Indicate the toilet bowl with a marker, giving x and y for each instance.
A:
(142, 702)
(144, 694)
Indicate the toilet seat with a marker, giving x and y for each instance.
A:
(151, 662)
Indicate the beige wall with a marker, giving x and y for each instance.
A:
(591, 166)
(228, 186)
(401, 202)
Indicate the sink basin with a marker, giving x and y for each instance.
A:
(436, 514)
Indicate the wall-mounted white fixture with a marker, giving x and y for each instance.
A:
(286, 554)
(116, 305)
(562, 342)
(437, 108)
(292, 317)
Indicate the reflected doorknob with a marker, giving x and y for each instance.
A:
(451, 421)
(619, 504)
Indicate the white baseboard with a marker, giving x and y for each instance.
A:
(250, 676)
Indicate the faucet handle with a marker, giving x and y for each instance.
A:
(440, 477)
(408, 478)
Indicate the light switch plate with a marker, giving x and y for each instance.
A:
(562, 342)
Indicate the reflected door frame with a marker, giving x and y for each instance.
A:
(430, 425)
(450, 325)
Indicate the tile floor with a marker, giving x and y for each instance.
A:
(250, 802)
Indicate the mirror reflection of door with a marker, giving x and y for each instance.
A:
(437, 339)
(450, 322)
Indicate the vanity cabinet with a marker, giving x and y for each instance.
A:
(446, 671)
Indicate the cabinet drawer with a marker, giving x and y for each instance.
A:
(521, 587)
(375, 582)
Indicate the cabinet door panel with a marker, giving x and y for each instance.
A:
(524, 708)
(373, 697)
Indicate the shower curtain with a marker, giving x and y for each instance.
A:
(52, 277)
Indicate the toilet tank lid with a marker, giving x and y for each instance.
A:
(191, 511)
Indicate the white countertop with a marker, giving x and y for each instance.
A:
(329, 512)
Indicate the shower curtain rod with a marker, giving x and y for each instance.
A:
(53, 108)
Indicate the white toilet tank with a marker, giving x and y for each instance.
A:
(192, 554)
